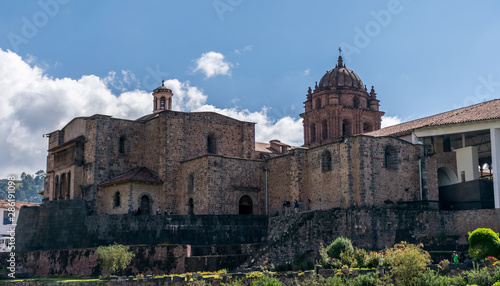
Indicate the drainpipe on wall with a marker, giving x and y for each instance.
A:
(267, 194)
(420, 177)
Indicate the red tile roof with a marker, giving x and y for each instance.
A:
(141, 174)
(479, 112)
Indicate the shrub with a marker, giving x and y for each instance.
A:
(339, 245)
(479, 276)
(373, 259)
(267, 281)
(369, 279)
(331, 281)
(408, 262)
(347, 258)
(484, 242)
(360, 258)
(431, 277)
(326, 261)
(114, 257)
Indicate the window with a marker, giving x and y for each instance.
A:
(346, 128)
(190, 183)
(326, 161)
(121, 147)
(367, 127)
(56, 187)
(6, 218)
(324, 129)
(390, 158)
(162, 103)
(211, 144)
(63, 186)
(68, 189)
(318, 103)
(313, 132)
(245, 205)
(117, 200)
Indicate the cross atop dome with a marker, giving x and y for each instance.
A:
(340, 62)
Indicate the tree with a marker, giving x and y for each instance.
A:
(340, 244)
(408, 262)
(484, 242)
(114, 257)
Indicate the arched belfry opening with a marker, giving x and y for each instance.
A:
(162, 98)
(245, 205)
(345, 107)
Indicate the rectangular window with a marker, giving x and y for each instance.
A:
(6, 218)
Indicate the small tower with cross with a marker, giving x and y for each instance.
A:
(162, 98)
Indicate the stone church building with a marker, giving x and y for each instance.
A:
(208, 163)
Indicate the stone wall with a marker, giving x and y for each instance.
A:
(375, 229)
(67, 224)
(84, 262)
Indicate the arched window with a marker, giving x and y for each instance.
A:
(191, 207)
(318, 103)
(190, 183)
(62, 186)
(245, 205)
(116, 200)
(367, 127)
(326, 161)
(211, 143)
(56, 187)
(390, 158)
(162, 103)
(68, 187)
(324, 129)
(121, 145)
(313, 132)
(346, 128)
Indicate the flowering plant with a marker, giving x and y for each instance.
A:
(140, 276)
(444, 261)
(345, 266)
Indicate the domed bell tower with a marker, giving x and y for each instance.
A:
(162, 98)
(339, 106)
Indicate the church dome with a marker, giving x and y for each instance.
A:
(341, 77)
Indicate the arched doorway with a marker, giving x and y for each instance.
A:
(246, 205)
(191, 207)
(446, 177)
(145, 205)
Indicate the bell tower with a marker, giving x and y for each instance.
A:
(339, 106)
(162, 98)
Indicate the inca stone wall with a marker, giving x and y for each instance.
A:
(67, 224)
(375, 229)
(147, 260)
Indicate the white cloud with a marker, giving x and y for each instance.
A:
(306, 72)
(212, 64)
(34, 104)
(245, 49)
(390, 120)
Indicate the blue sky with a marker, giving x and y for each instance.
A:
(252, 60)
